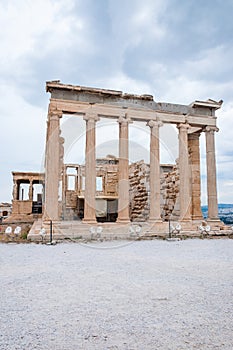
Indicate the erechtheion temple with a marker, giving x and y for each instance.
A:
(112, 192)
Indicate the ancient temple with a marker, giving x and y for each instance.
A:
(111, 190)
(71, 191)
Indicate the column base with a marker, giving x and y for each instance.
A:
(47, 218)
(47, 221)
(215, 223)
(89, 221)
(185, 220)
(123, 221)
(197, 217)
(154, 220)
(213, 220)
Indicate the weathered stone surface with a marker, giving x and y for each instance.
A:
(170, 193)
(139, 196)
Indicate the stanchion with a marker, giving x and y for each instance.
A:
(169, 227)
(51, 232)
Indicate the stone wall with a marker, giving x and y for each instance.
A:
(139, 176)
(106, 168)
(139, 184)
(170, 194)
(139, 181)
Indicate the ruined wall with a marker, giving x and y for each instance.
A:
(111, 183)
(26, 207)
(139, 180)
(170, 193)
(139, 175)
(106, 169)
(139, 184)
(5, 209)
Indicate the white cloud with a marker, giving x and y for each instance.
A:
(22, 135)
(224, 136)
(133, 23)
(146, 20)
(134, 20)
(121, 81)
(37, 28)
(210, 62)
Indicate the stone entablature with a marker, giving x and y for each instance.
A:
(91, 104)
(88, 95)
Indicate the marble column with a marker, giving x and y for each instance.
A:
(184, 172)
(123, 180)
(52, 167)
(31, 191)
(194, 154)
(15, 193)
(211, 173)
(155, 212)
(90, 169)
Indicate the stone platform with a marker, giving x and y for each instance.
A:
(114, 231)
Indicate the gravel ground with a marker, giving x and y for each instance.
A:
(117, 295)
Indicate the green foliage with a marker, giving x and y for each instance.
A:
(24, 235)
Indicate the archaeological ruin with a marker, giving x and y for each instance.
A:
(27, 195)
(111, 192)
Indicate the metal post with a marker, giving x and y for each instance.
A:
(169, 225)
(51, 231)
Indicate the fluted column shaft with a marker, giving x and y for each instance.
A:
(155, 212)
(52, 167)
(15, 193)
(184, 171)
(194, 153)
(211, 173)
(31, 191)
(123, 179)
(90, 169)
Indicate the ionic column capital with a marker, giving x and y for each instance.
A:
(183, 126)
(54, 117)
(91, 117)
(211, 129)
(154, 123)
(54, 113)
(123, 120)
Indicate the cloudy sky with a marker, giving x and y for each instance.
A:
(177, 50)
